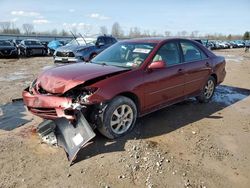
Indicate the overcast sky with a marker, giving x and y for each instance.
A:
(206, 16)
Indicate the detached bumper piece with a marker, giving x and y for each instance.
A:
(62, 132)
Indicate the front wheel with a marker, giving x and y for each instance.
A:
(119, 117)
(208, 91)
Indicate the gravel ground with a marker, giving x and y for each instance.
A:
(185, 145)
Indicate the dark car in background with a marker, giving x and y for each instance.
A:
(16, 42)
(32, 47)
(8, 49)
(83, 49)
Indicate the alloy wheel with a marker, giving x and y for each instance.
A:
(121, 119)
(209, 89)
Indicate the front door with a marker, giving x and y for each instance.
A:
(166, 85)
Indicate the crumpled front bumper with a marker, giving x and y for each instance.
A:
(47, 106)
(62, 133)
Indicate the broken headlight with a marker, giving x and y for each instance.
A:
(83, 98)
(81, 94)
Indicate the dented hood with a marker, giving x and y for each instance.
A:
(61, 79)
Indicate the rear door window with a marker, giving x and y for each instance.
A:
(191, 52)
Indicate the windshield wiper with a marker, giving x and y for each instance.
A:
(102, 63)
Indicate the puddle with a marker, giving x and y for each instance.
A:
(229, 95)
(14, 76)
(13, 115)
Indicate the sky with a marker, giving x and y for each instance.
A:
(205, 16)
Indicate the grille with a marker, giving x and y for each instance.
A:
(37, 51)
(65, 54)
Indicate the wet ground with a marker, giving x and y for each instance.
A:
(186, 145)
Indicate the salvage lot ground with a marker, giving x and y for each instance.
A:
(185, 145)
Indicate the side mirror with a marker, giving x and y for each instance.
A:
(157, 65)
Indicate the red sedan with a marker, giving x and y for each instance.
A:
(129, 79)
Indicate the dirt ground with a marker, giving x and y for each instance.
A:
(185, 145)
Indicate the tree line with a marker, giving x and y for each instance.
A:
(118, 32)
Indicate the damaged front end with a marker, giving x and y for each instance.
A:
(70, 117)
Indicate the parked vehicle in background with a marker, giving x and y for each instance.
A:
(53, 45)
(45, 44)
(240, 44)
(32, 47)
(211, 45)
(247, 46)
(16, 42)
(232, 44)
(82, 49)
(8, 49)
(130, 79)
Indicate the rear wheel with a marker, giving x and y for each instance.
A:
(208, 91)
(119, 117)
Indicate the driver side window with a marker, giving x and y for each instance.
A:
(168, 53)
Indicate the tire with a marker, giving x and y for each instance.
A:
(27, 53)
(113, 114)
(208, 90)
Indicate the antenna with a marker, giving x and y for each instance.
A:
(83, 38)
(74, 37)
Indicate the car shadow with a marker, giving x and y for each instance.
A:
(167, 120)
(13, 115)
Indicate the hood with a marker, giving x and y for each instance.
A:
(60, 79)
(72, 48)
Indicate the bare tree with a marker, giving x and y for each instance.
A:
(146, 33)
(28, 28)
(54, 32)
(194, 33)
(5, 26)
(64, 33)
(184, 33)
(103, 30)
(167, 33)
(134, 32)
(117, 30)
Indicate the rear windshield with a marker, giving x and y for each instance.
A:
(32, 42)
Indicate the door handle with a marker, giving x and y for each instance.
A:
(207, 64)
(180, 70)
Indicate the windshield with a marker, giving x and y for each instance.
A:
(5, 43)
(31, 42)
(81, 41)
(128, 55)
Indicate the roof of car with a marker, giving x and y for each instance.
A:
(31, 40)
(153, 39)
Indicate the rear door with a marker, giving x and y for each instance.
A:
(163, 86)
(197, 67)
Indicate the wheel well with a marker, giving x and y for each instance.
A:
(134, 98)
(215, 77)
(91, 55)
